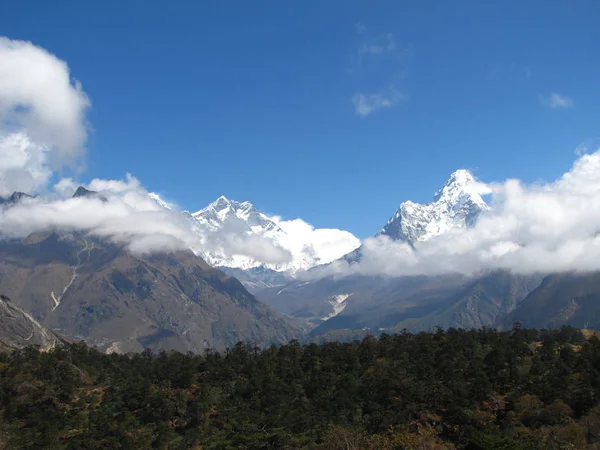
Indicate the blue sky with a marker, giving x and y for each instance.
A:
(261, 101)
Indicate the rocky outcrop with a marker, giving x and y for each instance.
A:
(19, 329)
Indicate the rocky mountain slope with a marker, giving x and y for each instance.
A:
(392, 304)
(561, 299)
(100, 292)
(88, 288)
(19, 329)
(423, 303)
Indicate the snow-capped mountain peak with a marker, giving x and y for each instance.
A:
(461, 185)
(220, 203)
(307, 246)
(456, 205)
(237, 214)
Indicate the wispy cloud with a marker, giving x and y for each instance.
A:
(588, 146)
(381, 47)
(378, 46)
(557, 101)
(378, 57)
(368, 103)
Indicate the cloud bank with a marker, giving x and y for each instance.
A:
(537, 228)
(129, 216)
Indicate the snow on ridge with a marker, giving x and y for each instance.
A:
(154, 196)
(338, 302)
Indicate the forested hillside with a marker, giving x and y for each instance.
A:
(471, 389)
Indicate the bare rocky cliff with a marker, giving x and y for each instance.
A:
(19, 329)
(86, 288)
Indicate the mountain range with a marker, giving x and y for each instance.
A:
(82, 286)
(456, 205)
(338, 305)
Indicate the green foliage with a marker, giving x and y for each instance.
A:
(465, 389)
(481, 441)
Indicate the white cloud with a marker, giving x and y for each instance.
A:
(23, 164)
(538, 228)
(383, 57)
(37, 93)
(118, 186)
(259, 248)
(324, 245)
(42, 116)
(66, 187)
(368, 103)
(557, 101)
(587, 146)
(128, 216)
(290, 245)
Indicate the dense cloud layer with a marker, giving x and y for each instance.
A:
(541, 228)
(129, 216)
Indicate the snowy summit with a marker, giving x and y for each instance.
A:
(308, 246)
(456, 205)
